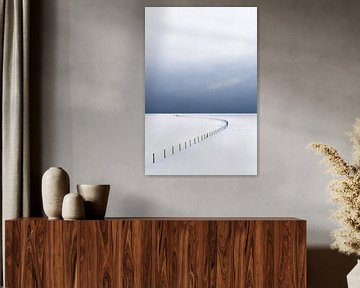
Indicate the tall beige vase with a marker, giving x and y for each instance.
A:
(55, 185)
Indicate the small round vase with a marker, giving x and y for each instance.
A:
(96, 198)
(55, 185)
(73, 207)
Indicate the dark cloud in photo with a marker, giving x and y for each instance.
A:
(201, 60)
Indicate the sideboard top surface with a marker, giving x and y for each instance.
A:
(174, 219)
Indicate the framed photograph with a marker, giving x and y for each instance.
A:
(200, 91)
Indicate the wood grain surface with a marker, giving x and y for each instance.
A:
(159, 252)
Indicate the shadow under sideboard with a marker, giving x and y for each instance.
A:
(328, 268)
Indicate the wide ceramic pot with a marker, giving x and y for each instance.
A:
(353, 278)
(55, 185)
(73, 207)
(96, 198)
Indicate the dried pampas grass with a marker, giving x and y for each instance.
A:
(345, 191)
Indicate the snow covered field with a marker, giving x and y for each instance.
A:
(225, 149)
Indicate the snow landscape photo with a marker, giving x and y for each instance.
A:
(200, 91)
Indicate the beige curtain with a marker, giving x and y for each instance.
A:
(14, 25)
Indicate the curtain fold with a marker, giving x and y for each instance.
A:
(15, 160)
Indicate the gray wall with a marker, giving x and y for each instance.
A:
(87, 89)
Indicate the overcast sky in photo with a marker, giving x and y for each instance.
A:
(200, 60)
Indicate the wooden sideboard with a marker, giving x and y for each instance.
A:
(156, 252)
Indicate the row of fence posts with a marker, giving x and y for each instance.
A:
(189, 143)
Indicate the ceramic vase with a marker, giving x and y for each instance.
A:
(55, 185)
(96, 198)
(73, 207)
(353, 278)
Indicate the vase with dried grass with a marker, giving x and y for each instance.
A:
(345, 192)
